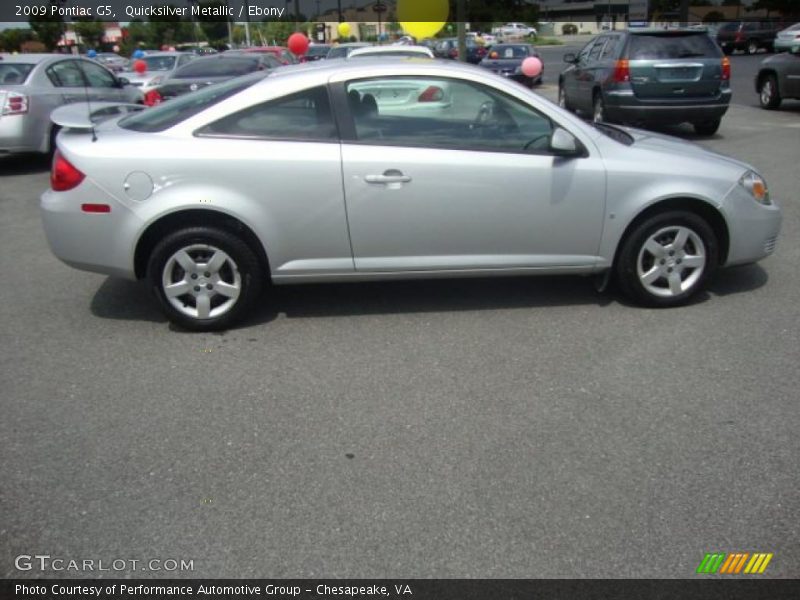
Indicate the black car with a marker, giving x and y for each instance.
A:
(748, 36)
(205, 71)
(507, 59)
(779, 78)
(649, 76)
(316, 52)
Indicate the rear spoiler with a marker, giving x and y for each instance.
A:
(84, 115)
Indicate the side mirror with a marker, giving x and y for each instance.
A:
(563, 143)
(570, 57)
(123, 81)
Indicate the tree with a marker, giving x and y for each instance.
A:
(216, 31)
(11, 40)
(731, 2)
(48, 29)
(700, 3)
(713, 17)
(91, 31)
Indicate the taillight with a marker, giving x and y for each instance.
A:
(622, 71)
(64, 176)
(454, 53)
(432, 94)
(15, 104)
(726, 69)
(152, 98)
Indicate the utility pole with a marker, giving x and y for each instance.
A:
(461, 18)
(339, 8)
(247, 23)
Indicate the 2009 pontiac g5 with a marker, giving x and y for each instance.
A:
(335, 172)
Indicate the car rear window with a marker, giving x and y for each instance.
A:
(172, 112)
(218, 67)
(680, 45)
(509, 51)
(14, 73)
(159, 63)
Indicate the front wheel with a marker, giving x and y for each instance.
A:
(769, 96)
(667, 259)
(599, 109)
(752, 47)
(205, 278)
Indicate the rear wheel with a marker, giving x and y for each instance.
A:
(52, 143)
(752, 47)
(562, 97)
(769, 96)
(205, 278)
(707, 127)
(667, 259)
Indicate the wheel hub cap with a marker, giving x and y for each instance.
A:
(671, 261)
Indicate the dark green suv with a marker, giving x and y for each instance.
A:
(649, 76)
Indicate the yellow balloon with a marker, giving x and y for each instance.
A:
(422, 18)
(344, 29)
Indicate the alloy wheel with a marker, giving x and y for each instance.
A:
(201, 281)
(671, 261)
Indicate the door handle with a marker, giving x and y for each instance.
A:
(390, 176)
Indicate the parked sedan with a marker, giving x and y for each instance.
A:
(507, 59)
(282, 178)
(392, 51)
(779, 78)
(787, 38)
(32, 85)
(202, 72)
(160, 66)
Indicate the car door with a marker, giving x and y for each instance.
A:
(103, 86)
(437, 176)
(573, 75)
(67, 77)
(586, 75)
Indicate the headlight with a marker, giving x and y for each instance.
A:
(756, 186)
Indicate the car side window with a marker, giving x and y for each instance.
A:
(433, 112)
(65, 74)
(610, 49)
(584, 53)
(303, 116)
(97, 76)
(594, 53)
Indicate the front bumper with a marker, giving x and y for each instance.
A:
(753, 228)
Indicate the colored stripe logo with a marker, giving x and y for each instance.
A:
(735, 563)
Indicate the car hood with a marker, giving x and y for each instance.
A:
(656, 142)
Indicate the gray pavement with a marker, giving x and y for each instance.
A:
(483, 428)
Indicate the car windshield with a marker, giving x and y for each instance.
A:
(159, 63)
(682, 45)
(218, 67)
(14, 73)
(169, 114)
(505, 52)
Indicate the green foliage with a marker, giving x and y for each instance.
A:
(714, 17)
(90, 31)
(214, 29)
(11, 40)
(786, 7)
(48, 29)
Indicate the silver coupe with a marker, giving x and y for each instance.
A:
(303, 175)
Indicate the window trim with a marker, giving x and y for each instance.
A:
(349, 135)
(336, 139)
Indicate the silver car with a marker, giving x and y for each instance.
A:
(283, 177)
(32, 85)
(160, 67)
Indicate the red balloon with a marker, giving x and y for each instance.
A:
(140, 66)
(532, 66)
(298, 44)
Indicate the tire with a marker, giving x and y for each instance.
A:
(727, 51)
(752, 47)
(183, 260)
(667, 259)
(707, 127)
(598, 108)
(51, 149)
(769, 95)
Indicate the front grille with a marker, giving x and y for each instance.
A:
(769, 245)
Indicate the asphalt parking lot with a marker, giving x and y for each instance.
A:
(481, 428)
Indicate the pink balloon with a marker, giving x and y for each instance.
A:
(532, 67)
(298, 44)
(140, 66)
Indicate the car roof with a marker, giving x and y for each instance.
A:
(421, 50)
